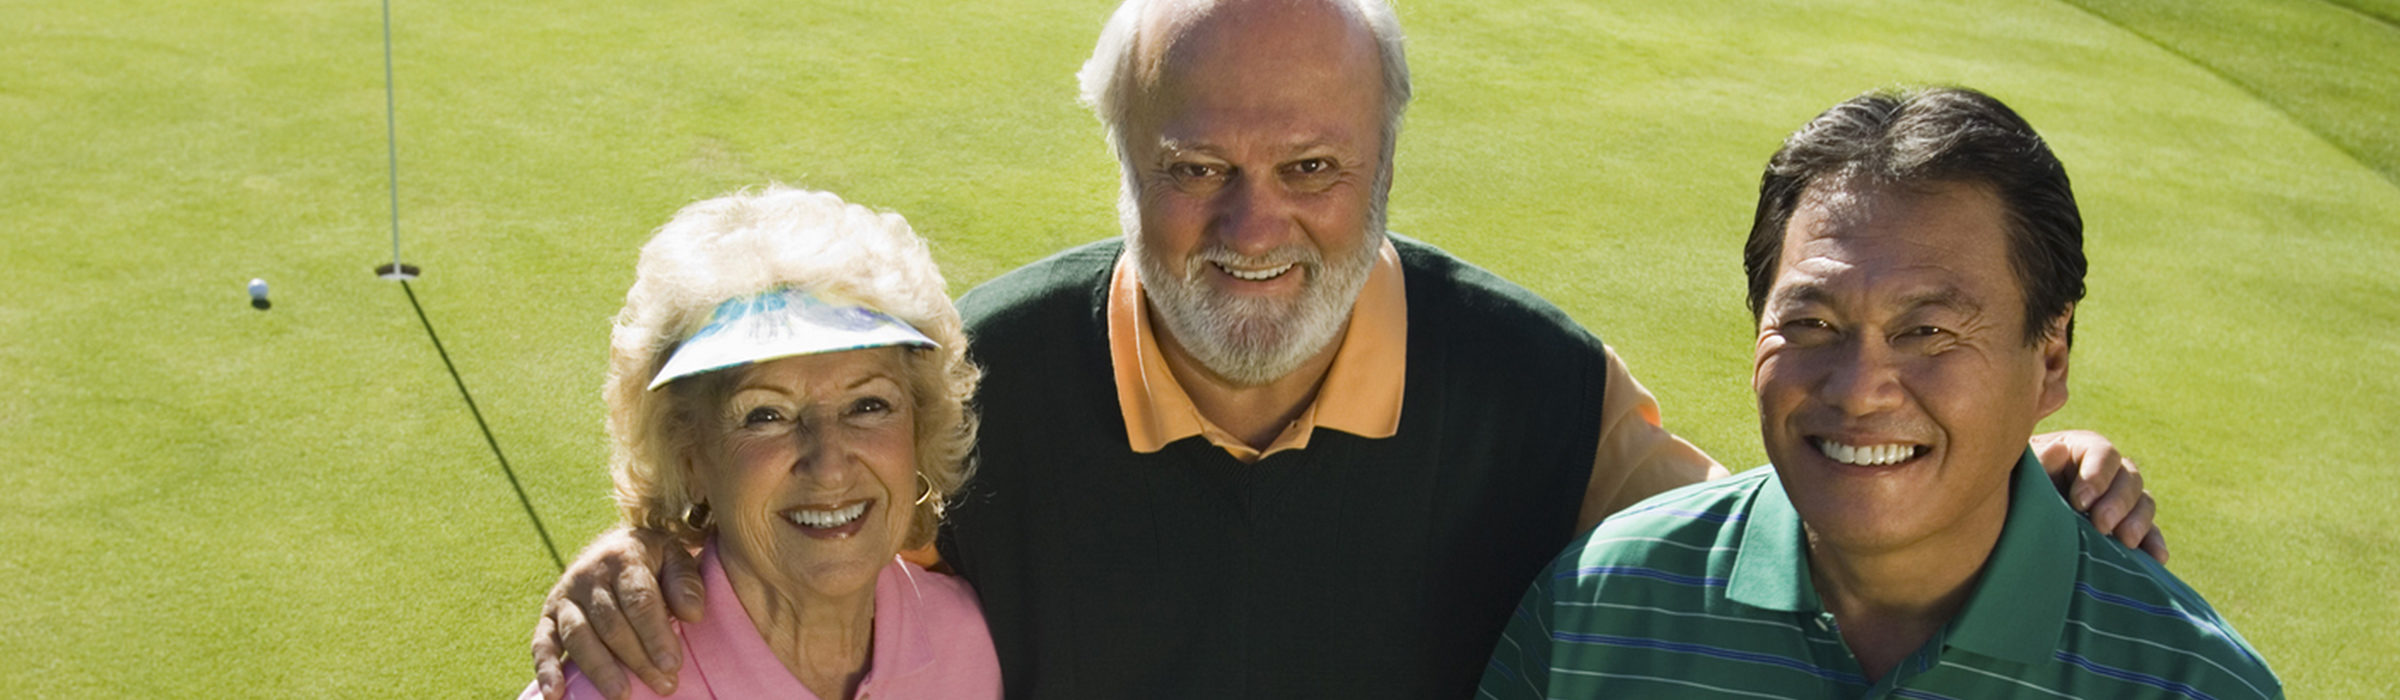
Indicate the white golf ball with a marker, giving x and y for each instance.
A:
(258, 288)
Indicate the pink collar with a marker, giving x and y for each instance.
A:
(733, 661)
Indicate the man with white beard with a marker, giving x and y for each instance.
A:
(1257, 447)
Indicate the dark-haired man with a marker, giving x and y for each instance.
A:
(1914, 267)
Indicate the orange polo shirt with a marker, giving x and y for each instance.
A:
(1362, 391)
(1360, 396)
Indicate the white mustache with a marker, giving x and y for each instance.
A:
(1219, 255)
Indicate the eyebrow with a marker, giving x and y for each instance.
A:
(862, 381)
(1169, 148)
(1799, 294)
(1946, 297)
(1812, 293)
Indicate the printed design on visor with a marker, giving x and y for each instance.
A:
(782, 322)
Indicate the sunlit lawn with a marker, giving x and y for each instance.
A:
(204, 500)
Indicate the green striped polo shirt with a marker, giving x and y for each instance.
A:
(1703, 592)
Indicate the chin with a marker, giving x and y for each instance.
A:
(1849, 510)
(1862, 528)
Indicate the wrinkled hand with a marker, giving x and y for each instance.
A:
(2103, 485)
(607, 611)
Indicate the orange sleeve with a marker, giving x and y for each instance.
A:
(1637, 457)
(927, 558)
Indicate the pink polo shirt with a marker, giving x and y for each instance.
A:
(930, 642)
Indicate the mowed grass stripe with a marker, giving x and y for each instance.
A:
(2386, 11)
(2334, 67)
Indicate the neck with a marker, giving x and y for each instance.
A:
(1254, 414)
(1890, 601)
(825, 642)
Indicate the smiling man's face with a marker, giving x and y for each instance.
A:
(1895, 385)
(1254, 161)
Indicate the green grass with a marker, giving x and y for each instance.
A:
(204, 500)
(2331, 67)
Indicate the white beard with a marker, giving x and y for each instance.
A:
(1252, 341)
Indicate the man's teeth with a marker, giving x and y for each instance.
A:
(1256, 275)
(827, 518)
(1868, 456)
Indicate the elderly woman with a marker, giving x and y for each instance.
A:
(787, 390)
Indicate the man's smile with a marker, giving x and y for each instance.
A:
(1871, 455)
(1255, 275)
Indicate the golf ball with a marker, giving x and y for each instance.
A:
(258, 288)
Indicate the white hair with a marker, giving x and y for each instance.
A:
(743, 244)
(1244, 342)
(1112, 76)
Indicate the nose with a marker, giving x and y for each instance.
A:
(1864, 378)
(1254, 215)
(818, 456)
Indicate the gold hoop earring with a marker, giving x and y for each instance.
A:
(927, 496)
(697, 516)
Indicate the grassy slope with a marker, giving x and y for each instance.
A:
(2386, 11)
(2333, 68)
(295, 502)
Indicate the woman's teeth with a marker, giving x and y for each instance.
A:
(821, 519)
(1868, 456)
(1256, 275)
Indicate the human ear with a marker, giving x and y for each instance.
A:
(691, 468)
(2054, 349)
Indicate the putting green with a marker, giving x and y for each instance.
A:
(207, 500)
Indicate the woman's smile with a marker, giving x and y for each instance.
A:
(834, 522)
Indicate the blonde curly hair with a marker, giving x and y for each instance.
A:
(746, 243)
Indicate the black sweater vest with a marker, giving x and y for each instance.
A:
(1361, 568)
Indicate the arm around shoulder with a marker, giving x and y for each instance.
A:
(575, 687)
(608, 613)
(1637, 457)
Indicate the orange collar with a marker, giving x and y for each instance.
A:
(1360, 396)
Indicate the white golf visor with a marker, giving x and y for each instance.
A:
(783, 323)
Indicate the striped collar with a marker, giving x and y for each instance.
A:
(2018, 609)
